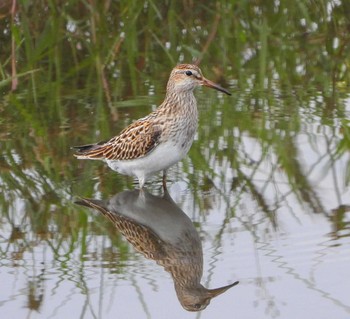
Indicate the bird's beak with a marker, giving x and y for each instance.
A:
(218, 291)
(213, 85)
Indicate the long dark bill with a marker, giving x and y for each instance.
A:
(215, 86)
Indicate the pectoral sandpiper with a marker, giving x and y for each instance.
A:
(161, 139)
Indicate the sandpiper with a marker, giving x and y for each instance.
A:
(161, 139)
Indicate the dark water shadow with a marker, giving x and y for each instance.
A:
(161, 231)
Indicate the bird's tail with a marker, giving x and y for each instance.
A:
(89, 151)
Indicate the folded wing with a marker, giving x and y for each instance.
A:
(135, 141)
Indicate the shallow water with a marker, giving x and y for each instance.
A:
(265, 186)
(287, 243)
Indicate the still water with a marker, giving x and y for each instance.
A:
(263, 197)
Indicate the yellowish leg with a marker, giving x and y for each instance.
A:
(164, 180)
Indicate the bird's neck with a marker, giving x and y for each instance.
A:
(180, 103)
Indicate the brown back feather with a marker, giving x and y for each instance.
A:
(135, 141)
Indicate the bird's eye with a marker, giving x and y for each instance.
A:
(197, 306)
(189, 73)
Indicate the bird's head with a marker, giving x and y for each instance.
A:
(185, 77)
(198, 298)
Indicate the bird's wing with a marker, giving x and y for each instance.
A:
(135, 141)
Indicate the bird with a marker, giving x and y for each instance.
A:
(161, 231)
(159, 140)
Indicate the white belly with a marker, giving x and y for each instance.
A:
(165, 155)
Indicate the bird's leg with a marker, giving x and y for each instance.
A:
(142, 195)
(164, 180)
(141, 182)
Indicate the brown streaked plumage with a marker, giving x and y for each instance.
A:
(133, 142)
(161, 139)
(161, 231)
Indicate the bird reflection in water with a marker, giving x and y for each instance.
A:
(161, 231)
